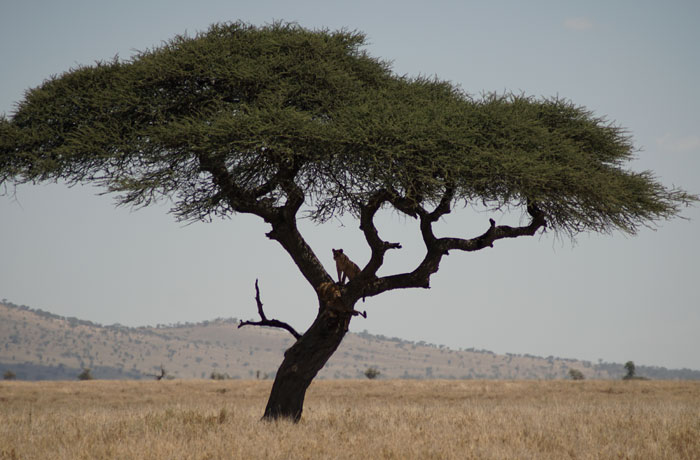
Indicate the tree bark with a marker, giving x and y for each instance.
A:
(303, 361)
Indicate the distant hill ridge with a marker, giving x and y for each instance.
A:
(38, 345)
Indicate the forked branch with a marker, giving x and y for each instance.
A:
(436, 248)
(497, 232)
(378, 246)
(268, 322)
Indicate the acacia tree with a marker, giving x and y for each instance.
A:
(283, 122)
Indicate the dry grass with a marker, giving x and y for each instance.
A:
(351, 419)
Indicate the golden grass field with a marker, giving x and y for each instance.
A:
(361, 419)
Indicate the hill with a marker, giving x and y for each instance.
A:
(37, 345)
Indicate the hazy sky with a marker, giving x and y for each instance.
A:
(616, 298)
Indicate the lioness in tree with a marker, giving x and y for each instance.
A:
(329, 293)
(346, 267)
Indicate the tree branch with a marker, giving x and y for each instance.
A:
(267, 322)
(427, 219)
(282, 218)
(241, 200)
(497, 232)
(376, 244)
(285, 232)
(436, 248)
(295, 195)
(283, 174)
(444, 206)
(406, 206)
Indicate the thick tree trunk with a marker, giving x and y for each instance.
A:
(303, 361)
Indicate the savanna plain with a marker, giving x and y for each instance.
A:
(398, 419)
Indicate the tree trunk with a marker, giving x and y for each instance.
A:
(303, 361)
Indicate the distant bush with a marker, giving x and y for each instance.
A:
(372, 373)
(219, 376)
(9, 375)
(85, 375)
(576, 374)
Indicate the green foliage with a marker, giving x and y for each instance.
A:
(372, 373)
(86, 374)
(576, 374)
(270, 105)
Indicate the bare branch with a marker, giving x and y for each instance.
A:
(284, 174)
(239, 199)
(267, 322)
(282, 218)
(444, 206)
(160, 376)
(497, 232)
(406, 206)
(436, 248)
(285, 232)
(376, 244)
(295, 197)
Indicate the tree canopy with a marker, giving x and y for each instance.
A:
(240, 115)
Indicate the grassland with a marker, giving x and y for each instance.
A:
(397, 419)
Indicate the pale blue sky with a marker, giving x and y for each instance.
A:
(615, 298)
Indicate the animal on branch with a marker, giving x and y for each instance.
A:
(329, 293)
(347, 269)
(331, 296)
